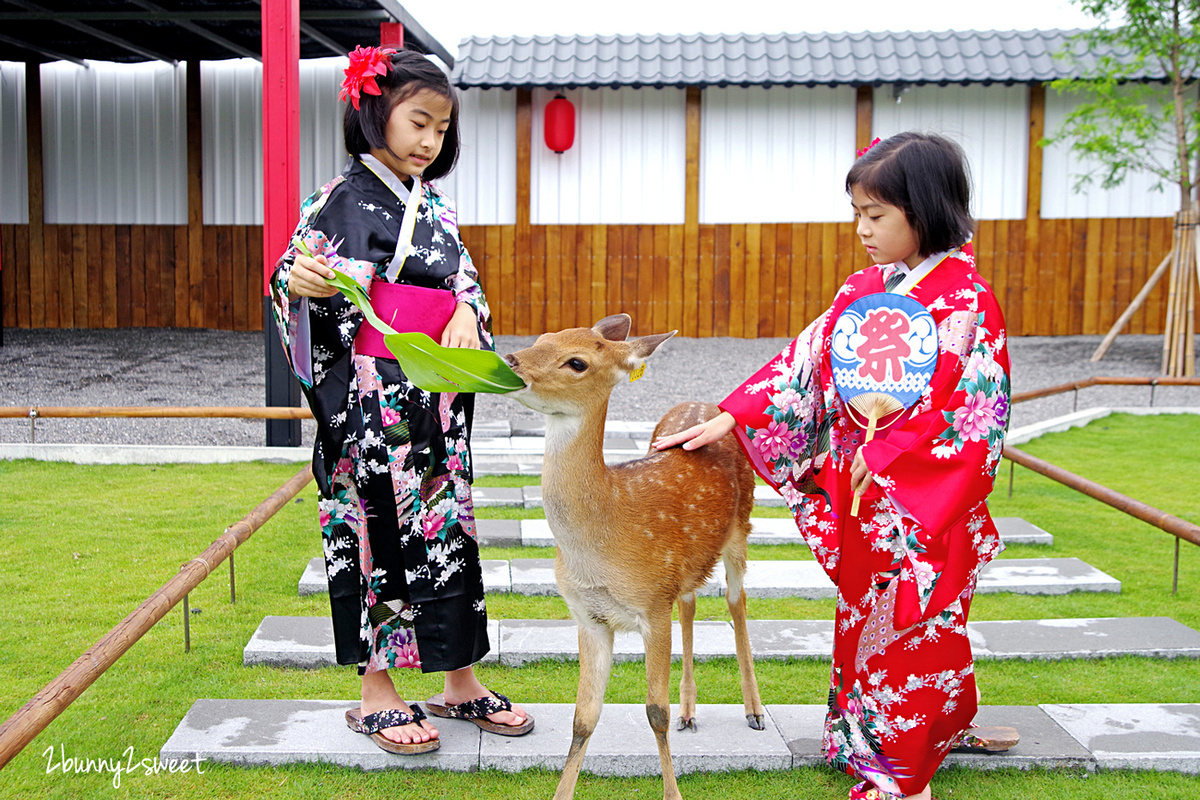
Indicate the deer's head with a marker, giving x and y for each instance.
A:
(576, 369)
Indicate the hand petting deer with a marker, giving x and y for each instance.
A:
(634, 538)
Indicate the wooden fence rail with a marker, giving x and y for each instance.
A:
(28, 721)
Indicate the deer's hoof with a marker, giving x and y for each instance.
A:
(755, 721)
(684, 724)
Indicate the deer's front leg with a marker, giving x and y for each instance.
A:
(658, 701)
(687, 684)
(735, 598)
(595, 664)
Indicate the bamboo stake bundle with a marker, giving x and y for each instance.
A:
(1178, 358)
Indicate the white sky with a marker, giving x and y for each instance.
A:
(449, 21)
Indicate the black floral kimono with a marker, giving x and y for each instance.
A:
(392, 461)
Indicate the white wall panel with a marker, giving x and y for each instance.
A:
(14, 187)
(114, 143)
(484, 184)
(775, 155)
(628, 163)
(231, 99)
(1135, 197)
(991, 123)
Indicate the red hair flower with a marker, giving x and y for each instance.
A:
(365, 64)
(858, 153)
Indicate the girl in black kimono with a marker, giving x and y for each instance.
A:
(392, 461)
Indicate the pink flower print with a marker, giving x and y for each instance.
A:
(389, 416)
(454, 462)
(432, 525)
(775, 439)
(976, 417)
(407, 656)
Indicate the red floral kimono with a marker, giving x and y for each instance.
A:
(903, 684)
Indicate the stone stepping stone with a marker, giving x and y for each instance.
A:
(776, 530)
(259, 733)
(497, 497)
(1044, 576)
(1044, 743)
(277, 732)
(307, 642)
(1153, 637)
(524, 641)
(496, 577)
(1137, 736)
(803, 579)
(499, 532)
(623, 744)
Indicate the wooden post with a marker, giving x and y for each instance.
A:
(189, 287)
(523, 253)
(691, 215)
(41, 313)
(1030, 297)
(864, 114)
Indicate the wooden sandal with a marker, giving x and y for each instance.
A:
(477, 711)
(372, 724)
(986, 739)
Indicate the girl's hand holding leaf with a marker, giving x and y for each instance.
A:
(310, 278)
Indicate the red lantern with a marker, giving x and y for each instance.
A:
(559, 124)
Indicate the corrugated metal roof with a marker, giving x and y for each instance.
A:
(763, 59)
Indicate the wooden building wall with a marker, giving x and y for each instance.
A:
(1054, 277)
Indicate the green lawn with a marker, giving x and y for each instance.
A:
(86, 544)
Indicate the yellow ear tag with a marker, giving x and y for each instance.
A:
(637, 373)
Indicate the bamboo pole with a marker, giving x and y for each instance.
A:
(1189, 326)
(1170, 523)
(1173, 281)
(32, 718)
(1035, 394)
(1187, 258)
(237, 412)
(1123, 320)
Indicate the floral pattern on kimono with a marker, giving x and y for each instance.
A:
(902, 684)
(392, 461)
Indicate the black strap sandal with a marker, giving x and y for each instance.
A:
(372, 724)
(477, 711)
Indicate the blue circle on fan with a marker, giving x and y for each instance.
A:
(884, 343)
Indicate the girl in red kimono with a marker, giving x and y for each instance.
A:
(903, 688)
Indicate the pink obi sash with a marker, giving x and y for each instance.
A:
(407, 309)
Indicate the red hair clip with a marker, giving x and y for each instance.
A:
(858, 153)
(365, 64)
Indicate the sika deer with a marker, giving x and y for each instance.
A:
(634, 538)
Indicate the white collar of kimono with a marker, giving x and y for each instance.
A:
(388, 177)
(917, 273)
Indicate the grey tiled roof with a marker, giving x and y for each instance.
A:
(762, 59)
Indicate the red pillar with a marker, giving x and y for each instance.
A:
(281, 190)
(391, 34)
(281, 127)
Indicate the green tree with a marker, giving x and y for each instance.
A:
(1138, 74)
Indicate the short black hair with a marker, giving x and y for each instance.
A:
(365, 127)
(925, 176)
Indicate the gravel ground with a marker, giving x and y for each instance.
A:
(179, 367)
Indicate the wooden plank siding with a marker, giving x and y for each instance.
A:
(745, 280)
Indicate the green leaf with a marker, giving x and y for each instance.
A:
(355, 294)
(451, 369)
(427, 364)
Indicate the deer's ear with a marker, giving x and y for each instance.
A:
(614, 328)
(643, 346)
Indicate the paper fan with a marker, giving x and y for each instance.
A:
(884, 352)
